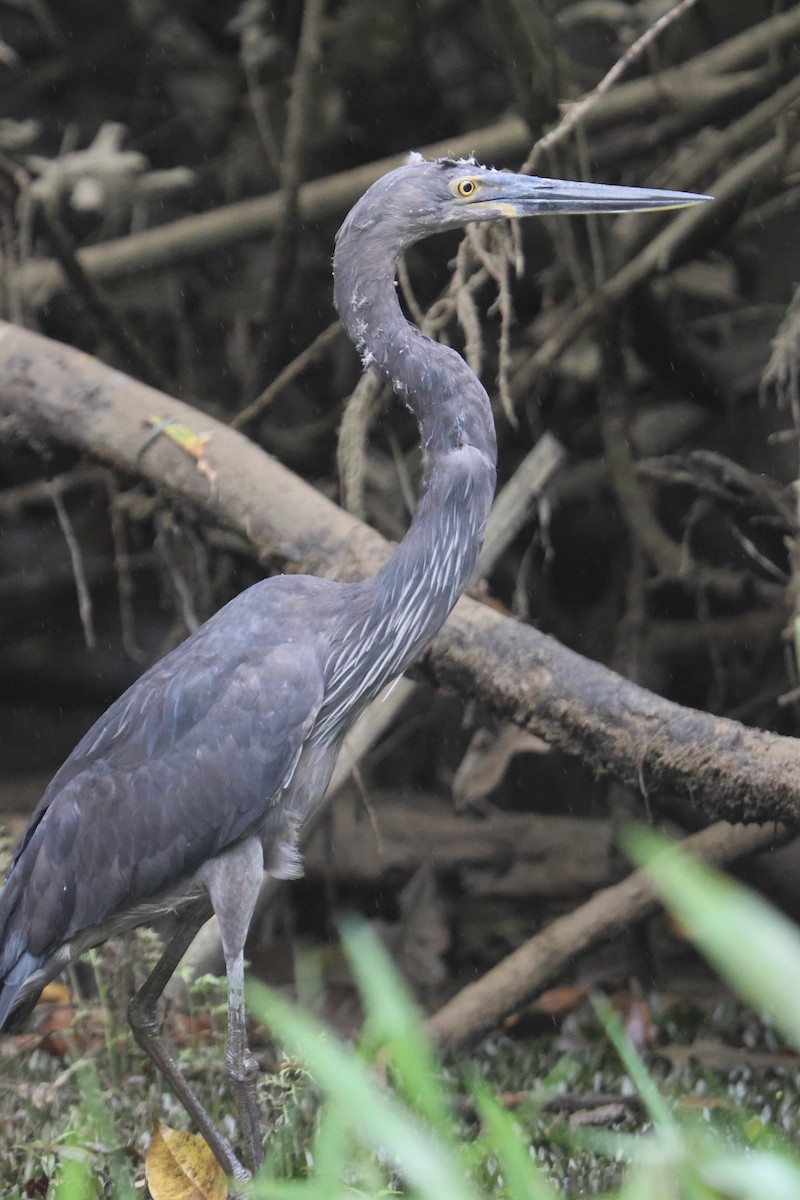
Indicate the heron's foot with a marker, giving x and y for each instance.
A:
(243, 1073)
(233, 1167)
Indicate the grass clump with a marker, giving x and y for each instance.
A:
(385, 1118)
(372, 1141)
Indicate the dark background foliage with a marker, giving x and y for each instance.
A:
(661, 404)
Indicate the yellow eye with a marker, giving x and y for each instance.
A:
(466, 187)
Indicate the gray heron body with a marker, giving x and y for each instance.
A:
(200, 776)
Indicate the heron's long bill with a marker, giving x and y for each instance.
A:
(524, 196)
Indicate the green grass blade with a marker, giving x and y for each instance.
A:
(503, 1138)
(375, 1116)
(748, 941)
(753, 1176)
(101, 1123)
(649, 1094)
(394, 1025)
(74, 1177)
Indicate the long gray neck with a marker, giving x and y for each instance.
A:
(448, 400)
(410, 597)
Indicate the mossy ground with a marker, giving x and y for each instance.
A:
(43, 1102)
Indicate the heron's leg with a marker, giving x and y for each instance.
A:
(143, 1022)
(243, 1068)
(233, 881)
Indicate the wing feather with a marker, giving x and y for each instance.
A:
(183, 765)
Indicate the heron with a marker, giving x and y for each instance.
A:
(200, 776)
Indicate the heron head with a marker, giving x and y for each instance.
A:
(422, 197)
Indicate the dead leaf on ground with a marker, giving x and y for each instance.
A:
(55, 993)
(557, 1001)
(192, 1029)
(718, 1103)
(56, 1032)
(180, 1166)
(37, 1185)
(639, 1025)
(52, 1031)
(487, 759)
(602, 1116)
(55, 1028)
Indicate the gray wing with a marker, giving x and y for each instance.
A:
(185, 763)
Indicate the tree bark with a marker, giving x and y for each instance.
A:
(50, 394)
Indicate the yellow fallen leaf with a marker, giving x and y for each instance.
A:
(180, 1166)
(55, 993)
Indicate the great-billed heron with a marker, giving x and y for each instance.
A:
(200, 776)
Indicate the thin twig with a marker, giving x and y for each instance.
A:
(298, 120)
(515, 503)
(78, 568)
(655, 257)
(289, 373)
(464, 306)
(496, 249)
(14, 499)
(407, 290)
(183, 592)
(122, 566)
(577, 113)
(106, 322)
(350, 452)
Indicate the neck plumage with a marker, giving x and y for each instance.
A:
(413, 593)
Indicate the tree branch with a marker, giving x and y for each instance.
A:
(50, 393)
(482, 1005)
(702, 80)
